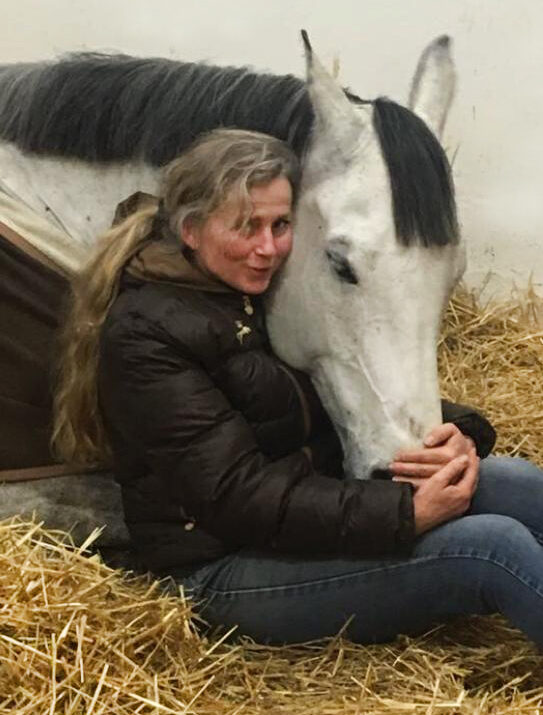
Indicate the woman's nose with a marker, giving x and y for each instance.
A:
(266, 243)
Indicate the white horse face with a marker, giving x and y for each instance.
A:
(355, 307)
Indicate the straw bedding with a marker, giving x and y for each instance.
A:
(491, 356)
(78, 637)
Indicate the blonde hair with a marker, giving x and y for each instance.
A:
(220, 164)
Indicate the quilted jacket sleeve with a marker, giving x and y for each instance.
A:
(205, 454)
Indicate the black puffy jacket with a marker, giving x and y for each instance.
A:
(210, 433)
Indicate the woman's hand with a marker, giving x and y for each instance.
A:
(443, 444)
(447, 494)
(444, 473)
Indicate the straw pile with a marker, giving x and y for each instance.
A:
(491, 356)
(78, 637)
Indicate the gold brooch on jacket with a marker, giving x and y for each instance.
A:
(247, 305)
(243, 330)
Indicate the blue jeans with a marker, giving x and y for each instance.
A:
(488, 561)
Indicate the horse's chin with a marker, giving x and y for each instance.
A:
(360, 465)
(377, 472)
(381, 473)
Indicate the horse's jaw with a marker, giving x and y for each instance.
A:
(381, 399)
(371, 349)
(374, 423)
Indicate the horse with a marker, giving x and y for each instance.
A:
(376, 251)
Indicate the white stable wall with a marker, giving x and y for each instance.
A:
(495, 130)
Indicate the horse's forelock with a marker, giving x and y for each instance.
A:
(420, 177)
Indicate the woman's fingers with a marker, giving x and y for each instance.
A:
(414, 469)
(452, 443)
(471, 474)
(440, 434)
(443, 497)
(451, 473)
(462, 471)
(439, 455)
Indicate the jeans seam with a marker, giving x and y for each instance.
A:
(332, 579)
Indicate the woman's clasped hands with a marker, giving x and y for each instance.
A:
(444, 474)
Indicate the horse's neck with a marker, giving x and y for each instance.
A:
(77, 197)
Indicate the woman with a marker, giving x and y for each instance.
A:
(230, 469)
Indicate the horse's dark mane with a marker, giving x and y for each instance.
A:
(99, 107)
(102, 108)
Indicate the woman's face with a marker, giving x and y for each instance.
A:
(246, 259)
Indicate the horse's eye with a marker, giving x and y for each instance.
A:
(341, 266)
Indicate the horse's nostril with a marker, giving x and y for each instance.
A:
(381, 474)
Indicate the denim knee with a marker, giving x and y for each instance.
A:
(509, 466)
(489, 536)
(511, 487)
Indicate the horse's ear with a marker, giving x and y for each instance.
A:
(337, 121)
(432, 89)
